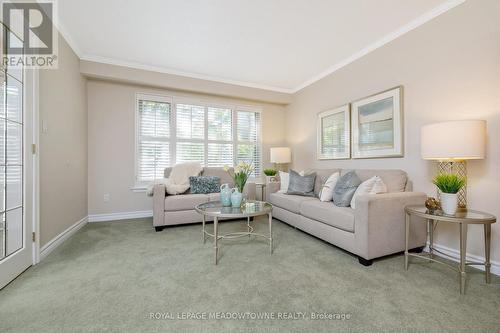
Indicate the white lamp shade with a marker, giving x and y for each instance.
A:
(281, 155)
(454, 140)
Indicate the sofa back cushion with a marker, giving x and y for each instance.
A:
(225, 178)
(395, 180)
(321, 178)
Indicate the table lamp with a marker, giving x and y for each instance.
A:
(280, 156)
(452, 143)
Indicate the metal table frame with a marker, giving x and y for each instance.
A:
(250, 231)
(432, 220)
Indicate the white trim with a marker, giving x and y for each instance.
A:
(422, 19)
(120, 216)
(36, 167)
(63, 236)
(164, 70)
(455, 255)
(140, 186)
(417, 22)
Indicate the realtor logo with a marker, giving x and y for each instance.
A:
(30, 37)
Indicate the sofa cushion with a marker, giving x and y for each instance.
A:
(345, 188)
(225, 177)
(288, 201)
(395, 180)
(321, 178)
(214, 196)
(204, 184)
(301, 185)
(184, 201)
(326, 212)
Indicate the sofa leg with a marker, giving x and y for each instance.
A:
(418, 249)
(160, 228)
(365, 262)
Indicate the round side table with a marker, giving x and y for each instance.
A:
(463, 219)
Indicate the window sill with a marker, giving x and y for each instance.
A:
(139, 188)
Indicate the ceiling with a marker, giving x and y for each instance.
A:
(280, 45)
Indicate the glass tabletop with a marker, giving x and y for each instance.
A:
(470, 215)
(249, 208)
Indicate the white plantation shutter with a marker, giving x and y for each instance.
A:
(220, 124)
(220, 134)
(190, 126)
(190, 121)
(153, 139)
(215, 136)
(220, 154)
(248, 139)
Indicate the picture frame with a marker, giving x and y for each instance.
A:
(377, 125)
(334, 133)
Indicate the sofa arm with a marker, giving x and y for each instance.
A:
(159, 191)
(380, 223)
(249, 191)
(272, 188)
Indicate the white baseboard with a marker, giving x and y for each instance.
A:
(455, 256)
(59, 239)
(120, 216)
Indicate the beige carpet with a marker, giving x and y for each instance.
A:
(111, 276)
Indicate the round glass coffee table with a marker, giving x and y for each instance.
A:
(247, 210)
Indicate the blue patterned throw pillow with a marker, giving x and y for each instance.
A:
(204, 184)
(345, 188)
(301, 185)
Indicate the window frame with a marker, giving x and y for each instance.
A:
(140, 185)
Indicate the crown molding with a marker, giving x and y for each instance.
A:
(70, 40)
(158, 69)
(422, 19)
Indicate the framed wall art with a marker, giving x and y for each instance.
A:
(377, 125)
(334, 135)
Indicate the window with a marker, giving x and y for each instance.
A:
(172, 132)
(153, 149)
(248, 139)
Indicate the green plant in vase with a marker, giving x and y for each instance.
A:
(240, 175)
(449, 184)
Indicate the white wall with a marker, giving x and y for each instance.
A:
(111, 142)
(450, 69)
(63, 147)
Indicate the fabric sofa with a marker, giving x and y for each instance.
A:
(375, 228)
(179, 209)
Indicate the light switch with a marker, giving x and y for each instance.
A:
(45, 127)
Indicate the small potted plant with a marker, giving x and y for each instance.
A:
(449, 184)
(270, 175)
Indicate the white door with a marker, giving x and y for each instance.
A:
(16, 169)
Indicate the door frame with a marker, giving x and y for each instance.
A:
(36, 163)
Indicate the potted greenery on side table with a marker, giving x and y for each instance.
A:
(270, 175)
(449, 184)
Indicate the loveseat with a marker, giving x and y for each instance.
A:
(375, 228)
(179, 209)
